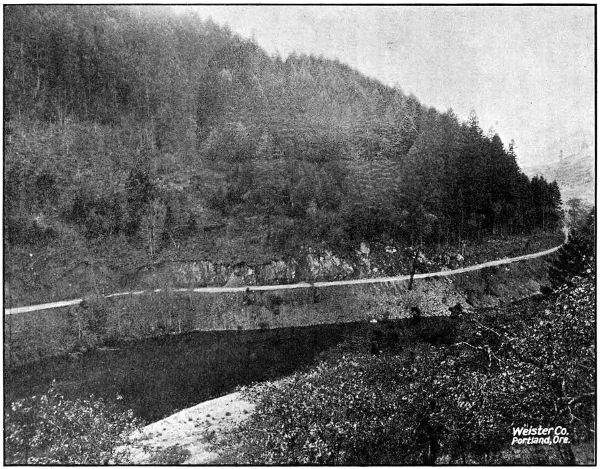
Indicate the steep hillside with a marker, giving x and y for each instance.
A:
(134, 135)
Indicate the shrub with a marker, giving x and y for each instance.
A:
(48, 429)
(25, 230)
(98, 215)
(534, 366)
(348, 411)
(89, 321)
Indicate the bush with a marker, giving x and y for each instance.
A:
(343, 412)
(533, 366)
(97, 215)
(49, 429)
(25, 230)
(90, 322)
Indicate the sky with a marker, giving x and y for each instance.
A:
(528, 72)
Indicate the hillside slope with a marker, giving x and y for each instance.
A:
(135, 135)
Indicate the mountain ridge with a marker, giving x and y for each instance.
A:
(575, 175)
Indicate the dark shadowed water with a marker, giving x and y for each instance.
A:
(156, 377)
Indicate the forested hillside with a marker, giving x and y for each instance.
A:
(133, 131)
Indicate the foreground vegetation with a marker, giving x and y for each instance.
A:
(451, 397)
(77, 410)
(49, 429)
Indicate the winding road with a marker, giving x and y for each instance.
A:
(363, 281)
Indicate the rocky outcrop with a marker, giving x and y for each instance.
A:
(313, 266)
(277, 272)
(326, 266)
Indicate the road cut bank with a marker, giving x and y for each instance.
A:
(90, 323)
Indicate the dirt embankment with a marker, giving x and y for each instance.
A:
(193, 430)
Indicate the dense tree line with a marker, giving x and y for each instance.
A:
(108, 108)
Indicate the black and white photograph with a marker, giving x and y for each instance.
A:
(299, 234)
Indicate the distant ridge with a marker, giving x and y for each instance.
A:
(574, 174)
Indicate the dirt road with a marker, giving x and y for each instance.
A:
(362, 281)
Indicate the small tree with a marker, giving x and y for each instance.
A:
(153, 223)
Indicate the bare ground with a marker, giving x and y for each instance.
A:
(194, 429)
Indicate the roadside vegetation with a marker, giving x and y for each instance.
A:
(43, 277)
(100, 324)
